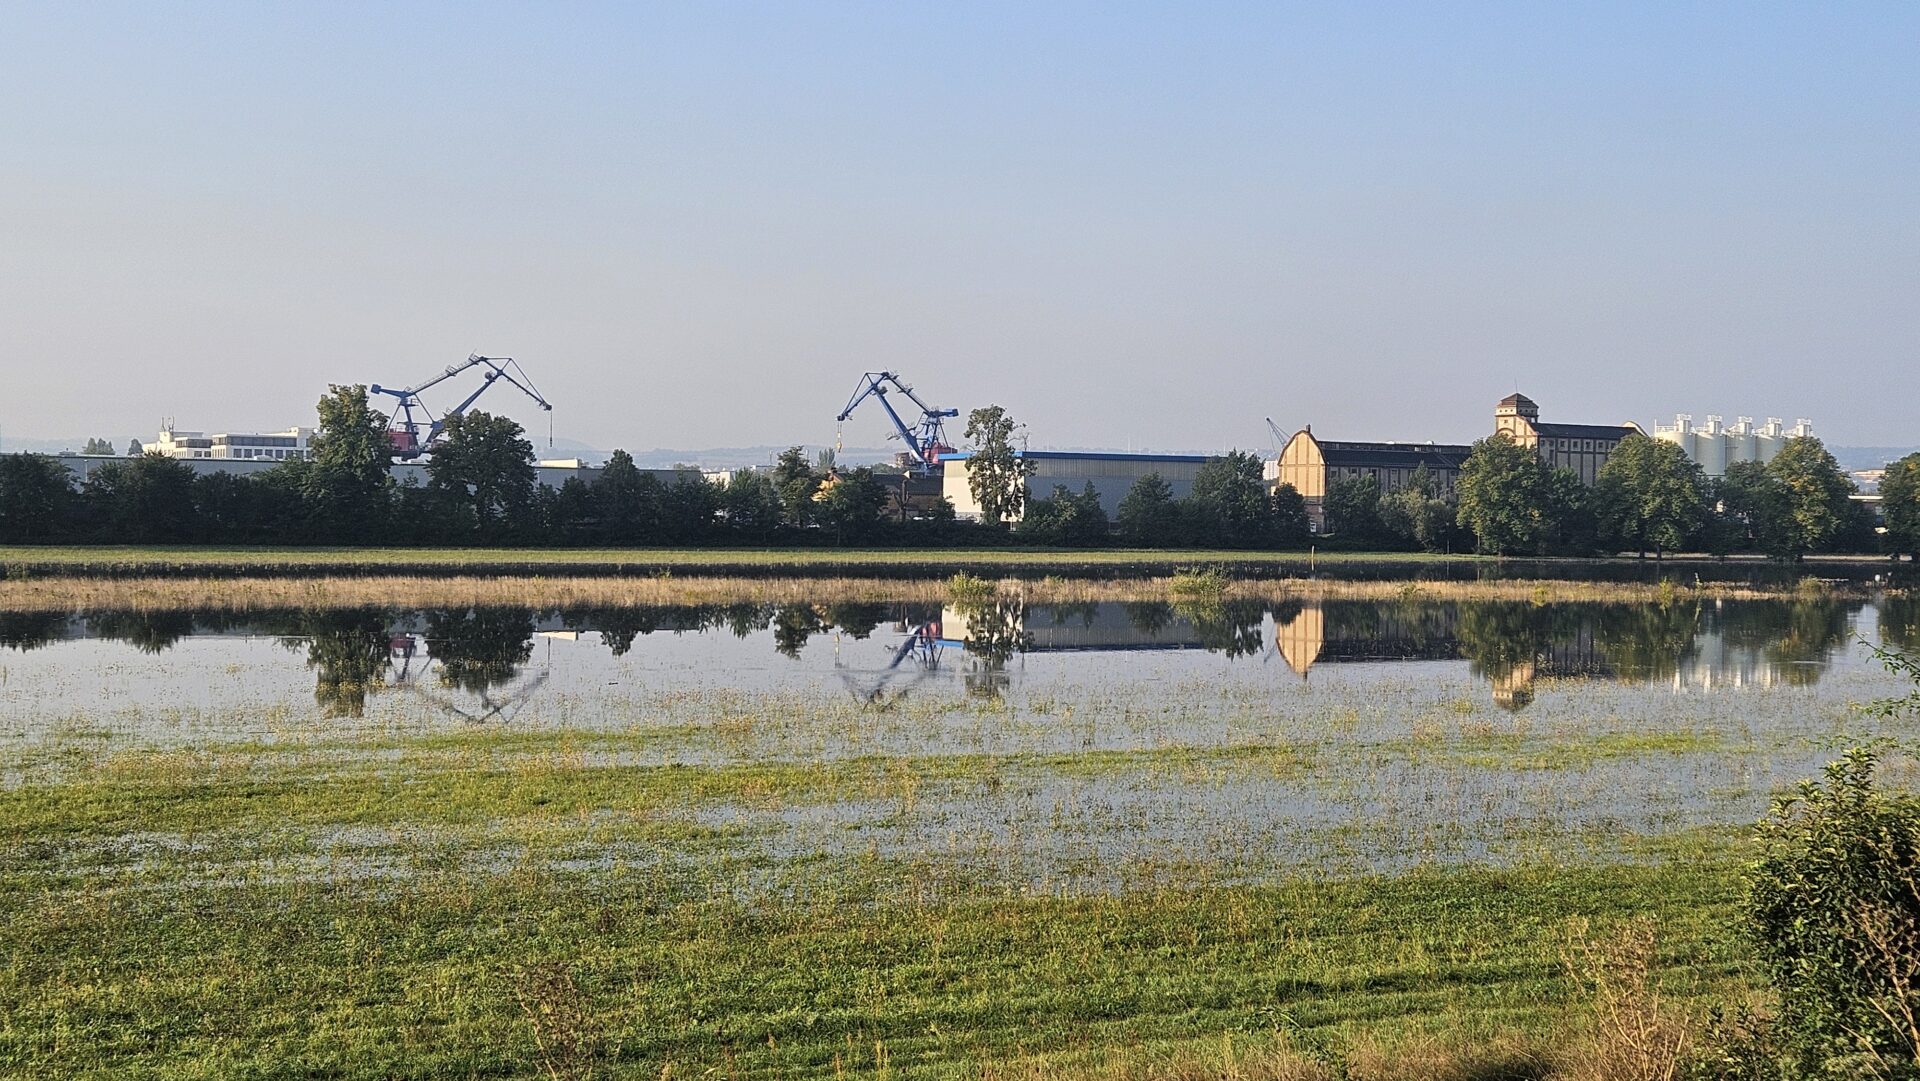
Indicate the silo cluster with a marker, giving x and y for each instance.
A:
(1716, 446)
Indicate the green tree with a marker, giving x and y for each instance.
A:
(349, 483)
(1066, 518)
(626, 502)
(134, 449)
(1416, 513)
(1750, 510)
(1230, 495)
(850, 505)
(35, 491)
(1817, 494)
(1289, 511)
(751, 504)
(483, 470)
(687, 508)
(1352, 508)
(97, 446)
(1649, 494)
(144, 500)
(1502, 493)
(1566, 514)
(1900, 503)
(795, 480)
(996, 474)
(568, 511)
(233, 509)
(1148, 516)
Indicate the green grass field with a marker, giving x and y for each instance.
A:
(473, 902)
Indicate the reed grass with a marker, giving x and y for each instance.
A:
(53, 594)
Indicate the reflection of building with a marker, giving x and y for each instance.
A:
(1312, 465)
(1062, 628)
(1348, 631)
(1112, 475)
(1716, 448)
(1717, 664)
(1582, 448)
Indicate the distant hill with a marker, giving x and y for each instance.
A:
(1854, 458)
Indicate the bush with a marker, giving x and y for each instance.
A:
(1834, 904)
(964, 588)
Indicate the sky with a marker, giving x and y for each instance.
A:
(1133, 226)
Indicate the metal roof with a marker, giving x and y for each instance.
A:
(1393, 455)
(1586, 431)
(1091, 456)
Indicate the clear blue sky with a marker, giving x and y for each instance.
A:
(1145, 226)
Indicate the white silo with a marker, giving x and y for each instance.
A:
(1679, 433)
(1710, 447)
(1742, 444)
(1767, 443)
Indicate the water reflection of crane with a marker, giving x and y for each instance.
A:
(879, 690)
(498, 701)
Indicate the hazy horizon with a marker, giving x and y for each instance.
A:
(696, 226)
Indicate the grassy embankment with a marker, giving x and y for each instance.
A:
(53, 579)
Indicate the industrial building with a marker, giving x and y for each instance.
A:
(1582, 448)
(553, 473)
(1312, 465)
(1112, 475)
(294, 443)
(1716, 447)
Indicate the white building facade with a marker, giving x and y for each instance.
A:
(294, 443)
(1112, 476)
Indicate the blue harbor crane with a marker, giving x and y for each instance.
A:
(928, 440)
(408, 443)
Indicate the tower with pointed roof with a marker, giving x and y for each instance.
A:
(1581, 448)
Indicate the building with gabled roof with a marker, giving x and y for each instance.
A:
(1312, 465)
(1581, 448)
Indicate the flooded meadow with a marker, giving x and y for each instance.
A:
(901, 838)
(999, 745)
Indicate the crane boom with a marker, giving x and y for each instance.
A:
(1279, 437)
(928, 440)
(407, 440)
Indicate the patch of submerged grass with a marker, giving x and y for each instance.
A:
(499, 777)
(1523, 751)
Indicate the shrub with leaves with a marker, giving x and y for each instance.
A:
(1834, 903)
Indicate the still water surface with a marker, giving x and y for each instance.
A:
(1093, 739)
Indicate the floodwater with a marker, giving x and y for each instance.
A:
(1245, 737)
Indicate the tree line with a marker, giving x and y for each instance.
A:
(481, 488)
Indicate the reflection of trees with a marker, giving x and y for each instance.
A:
(149, 632)
(1086, 612)
(1229, 627)
(856, 620)
(30, 630)
(996, 631)
(1900, 622)
(1148, 617)
(350, 653)
(479, 648)
(1504, 640)
(1814, 629)
(1644, 642)
(793, 624)
(1797, 638)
